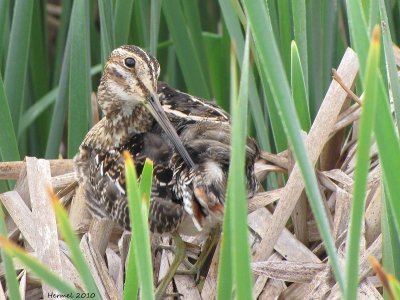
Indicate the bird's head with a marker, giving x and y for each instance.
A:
(130, 79)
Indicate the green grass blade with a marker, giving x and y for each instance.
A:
(235, 32)
(79, 92)
(328, 48)
(155, 13)
(237, 194)
(4, 8)
(271, 64)
(36, 267)
(388, 149)
(187, 54)
(132, 276)
(299, 93)
(216, 48)
(300, 33)
(131, 287)
(285, 31)
(106, 29)
(394, 286)
(57, 120)
(225, 280)
(314, 45)
(146, 180)
(373, 13)
(11, 276)
(140, 26)
(358, 33)
(72, 241)
(362, 166)
(391, 238)
(39, 81)
(43, 103)
(123, 15)
(390, 62)
(17, 58)
(193, 23)
(8, 142)
(62, 35)
(140, 231)
(225, 270)
(33, 112)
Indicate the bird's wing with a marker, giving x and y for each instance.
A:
(107, 191)
(181, 105)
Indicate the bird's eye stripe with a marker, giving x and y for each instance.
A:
(130, 62)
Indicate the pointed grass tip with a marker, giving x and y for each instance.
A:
(9, 246)
(127, 157)
(53, 197)
(376, 35)
(380, 272)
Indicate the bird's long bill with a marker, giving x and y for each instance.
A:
(154, 106)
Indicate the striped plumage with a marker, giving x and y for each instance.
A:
(189, 182)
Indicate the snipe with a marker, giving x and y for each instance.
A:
(187, 138)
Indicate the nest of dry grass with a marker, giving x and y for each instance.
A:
(289, 259)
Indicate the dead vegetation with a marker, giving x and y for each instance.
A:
(289, 260)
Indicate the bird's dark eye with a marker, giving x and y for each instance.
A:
(130, 62)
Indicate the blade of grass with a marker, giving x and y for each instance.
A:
(73, 244)
(358, 33)
(131, 289)
(17, 58)
(187, 54)
(140, 22)
(394, 286)
(62, 34)
(155, 14)
(42, 104)
(31, 114)
(362, 166)
(11, 277)
(225, 270)
(328, 49)
(391, 238)
(8, 142)
(225, 280)
(146, 179)
(285, 32)
(140, 230)
(373, 13)
(123, 15)
(235, 32)
(388, 149)
(237, 194)
(271, 63)
(36, 267)
(4, 8)
(391, 64)
(79, 93)
(57, 120)
(299, 93)
(106, 29)
(314, 45)
(39, 81)
(300, 34)
(217, 47)
(193, 23)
